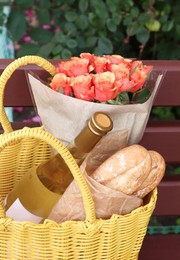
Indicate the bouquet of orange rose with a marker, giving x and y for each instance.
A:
(108, 79)
(122, 88)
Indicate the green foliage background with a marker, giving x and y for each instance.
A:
(146, 29)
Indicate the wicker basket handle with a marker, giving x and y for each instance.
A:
(42, 135)
(49, 67)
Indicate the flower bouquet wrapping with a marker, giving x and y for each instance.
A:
(124, 89)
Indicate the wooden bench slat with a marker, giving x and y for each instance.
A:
(168, 202)
(18, 80)
(164, 137)
(159, 247)
(161, 136)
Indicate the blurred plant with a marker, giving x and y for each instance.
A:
(163, 113)
(61, 29)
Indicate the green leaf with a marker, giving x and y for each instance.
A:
(105, 45)
(25, 4)
(163, 19)
(40, 35)
(66, 54)
(91, 18)
(112, 27)
(167, 26)
(177, 28)
(144, 18)
(113, 5)
(44, 3)
(70, 28)
(57, 57)
(141, 96)
(99, 8)
(143, 36)
(163, 113)
(121, 99)
(28, 49)
(68, 2)
(133, 70)
(167, 8)
(71, 43)
(131, 31)
(116, 18)
(91, 41)
(97, 51)
(5, 2)
(46, 49)
(60, 37)
(43, 16)
(57, 49)
(177, 171)
(61, 90)
(128, 21)
(17, 24)
(83, 5)
(2, 17)
(178, 221)
(70, 16)
(81, 42)
(134, 12)
(82, 22)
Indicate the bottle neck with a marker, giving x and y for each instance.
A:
(86, 140)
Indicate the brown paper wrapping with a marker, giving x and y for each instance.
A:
(107, 201)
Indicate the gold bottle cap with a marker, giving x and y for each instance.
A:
(100, 123)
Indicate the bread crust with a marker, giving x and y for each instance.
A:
(155, 176)
(125, 170)
(132, 170)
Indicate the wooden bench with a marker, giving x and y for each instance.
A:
(162, 136)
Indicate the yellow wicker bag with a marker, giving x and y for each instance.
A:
(119, 237)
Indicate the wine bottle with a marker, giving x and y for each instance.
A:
(30, 200)
(41, 187)
(54, 173)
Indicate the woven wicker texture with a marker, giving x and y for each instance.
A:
(119, 237)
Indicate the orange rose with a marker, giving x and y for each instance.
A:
(124, 85)
(74, 67)
(138, 75)
(61, 80)
(104, 86)
(120, 70)
(117, 59)
(136, 64)
(90, 77)
(147, 69)
(89, 56)
(100, 64)
(82, 87)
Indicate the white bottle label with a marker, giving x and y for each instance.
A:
(19, 213)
